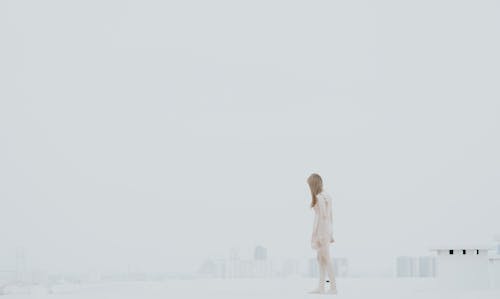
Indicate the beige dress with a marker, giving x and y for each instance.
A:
(322, 226)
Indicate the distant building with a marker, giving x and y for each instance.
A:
(260, 253)
(262, 268)
(415, 266)
(207, 268)
(496, 240)
(462, 266)
(213, 268)
(290, 267)
(340, 267)
(426, 266)
(236, 267)
(93, 276)
(406, 266)
(20, 264)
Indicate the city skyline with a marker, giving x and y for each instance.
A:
(164, 132)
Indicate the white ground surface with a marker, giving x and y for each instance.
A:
(253, 288)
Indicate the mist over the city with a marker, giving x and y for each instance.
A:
(152, 136)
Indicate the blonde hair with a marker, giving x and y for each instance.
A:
(316, 185)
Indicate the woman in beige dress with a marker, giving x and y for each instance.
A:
(322, 235)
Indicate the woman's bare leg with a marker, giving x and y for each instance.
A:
(322, 271)
(322, 274)
(328, 264)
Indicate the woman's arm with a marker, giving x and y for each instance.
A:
(315, 224)
(323, 208)
(331, 222)
(331, 211)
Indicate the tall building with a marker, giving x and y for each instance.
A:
(20, 264)
(427, 266)
(496, 240)
(233, 264)
(415, 266)
(236, 267)
(213, 268)
(207, 269)
(290, 267)
(406, 266)
(260, 253)
(340, 267)
(262, 268)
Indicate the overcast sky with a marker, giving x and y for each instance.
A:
(158, 133)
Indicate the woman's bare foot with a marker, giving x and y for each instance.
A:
(332, 291)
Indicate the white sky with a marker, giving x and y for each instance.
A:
(158, 133)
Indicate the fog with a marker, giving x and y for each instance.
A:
(155, 134)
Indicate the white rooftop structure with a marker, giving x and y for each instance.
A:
(462, 247)
(463, 266)
(494, 268)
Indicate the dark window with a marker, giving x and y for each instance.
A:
(451, 251)
(463, 251)
(477, 251)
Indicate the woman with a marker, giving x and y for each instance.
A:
(322, 234)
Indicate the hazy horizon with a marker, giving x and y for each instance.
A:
(159, 133)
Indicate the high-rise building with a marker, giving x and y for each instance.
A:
(427, 266)
(213, 268)
(406, 266)
(340, 267)
(260, 253)
(415, 266)
(236, 267)
(262, 268)
(290, 267)
(497, 241)
(20, 264)
(207, 269)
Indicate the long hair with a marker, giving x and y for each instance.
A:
(316, 185)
